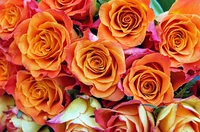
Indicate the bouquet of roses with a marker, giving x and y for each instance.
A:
(99, 66)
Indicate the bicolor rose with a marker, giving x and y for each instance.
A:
(128, 116)
(42, 42)
(179, 33)
(99, 65)
(6, 103)
(40, 99)
(148, 80)
(79, 115)
(81, 11)
(12, 13)
(180, 116)
(125, 21)
(20, 123)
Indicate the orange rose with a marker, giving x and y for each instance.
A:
(12, 13)
(149, 80)
(125, 21)
(179, 33)
(6, 70)
(126, 117)
(41, 41)
(40, 99)
(81, 11)
(180, 116)
(99, 65)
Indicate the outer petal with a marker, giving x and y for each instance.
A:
(185, 7)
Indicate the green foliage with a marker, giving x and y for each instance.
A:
(185, 90)
(156, 7)
(103, 1)
(165, 4)
(160, 6)
(19, 114)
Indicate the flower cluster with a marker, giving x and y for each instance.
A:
(99, 66)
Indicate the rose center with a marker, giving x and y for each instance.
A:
(10, 18)
(128, 18)
(46, 44)
(38, 91)
(96, 61)
(177, 42)
(3, 70)
(148, 87)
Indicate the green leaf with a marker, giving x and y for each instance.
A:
(156, 7)
(165, 4)
(19, 114)
(150, 105)
(98, 5)
(73, 93)
(183, 92)
(103, 1)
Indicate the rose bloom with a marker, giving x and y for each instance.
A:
(81, 11)
(125, 21)
(148, 80)
(41, 42)
(40, 99)
(6, 102)
(179, 33)
(12, 13)
(6, 70)
(180, 38)
(98, 64)
(180, 116)
(79, 115)
(126, 117)
(22, 123)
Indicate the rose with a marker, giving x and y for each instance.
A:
(180, 116)
(23, 122)
(179, 33)
(128, 116)
(79, 115)
(99, 65)
(71, 127)
(12, 13)
(5, 104)
(6, 70)
(40, 99)
(42, 42)
(125, 21)
(81, 11)
(148, 80)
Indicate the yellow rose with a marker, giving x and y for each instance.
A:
(5, 102)
(79, 115)
(180, 116)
